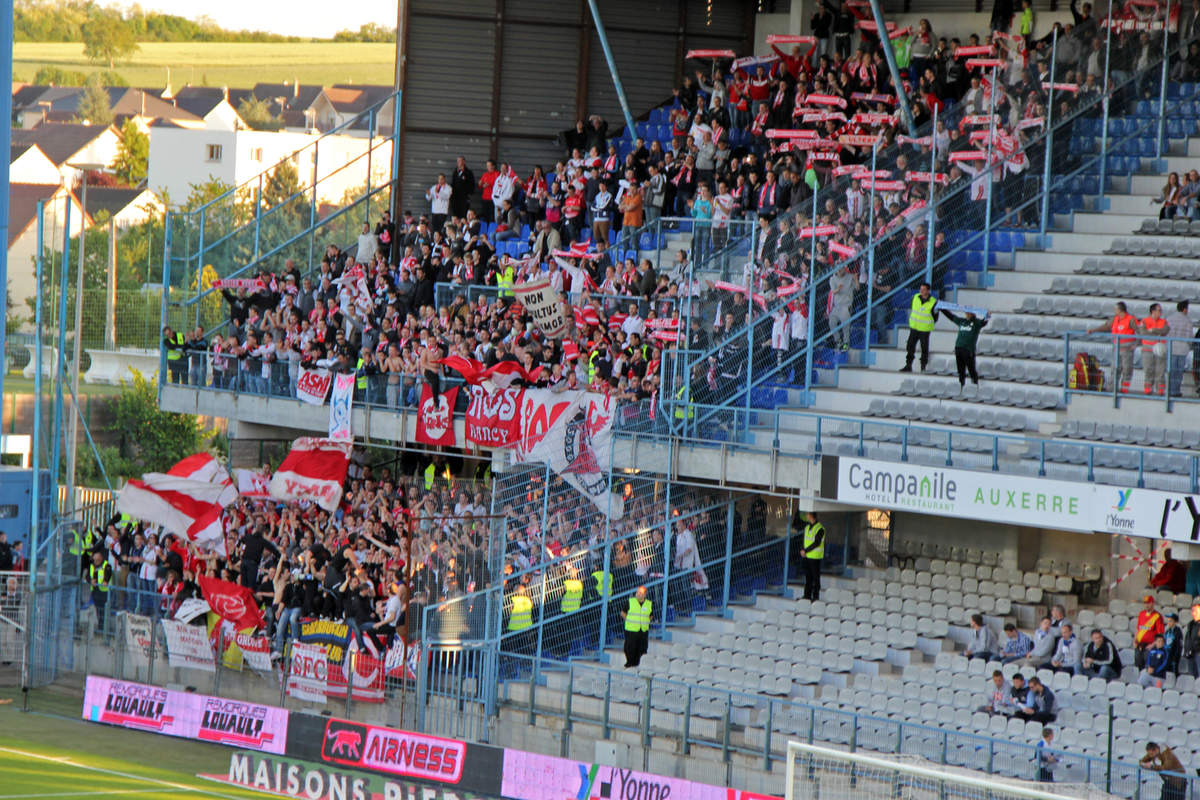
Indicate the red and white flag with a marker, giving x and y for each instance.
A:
(435, 417)
(186, 500)
(231, 601)
(315, 470)
(252, 483)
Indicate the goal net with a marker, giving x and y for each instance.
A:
(823, 773)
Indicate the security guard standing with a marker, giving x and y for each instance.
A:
(921, 316)
(82, 544)
(637, 627)
(812, 552)
(570, 621)
(599, 591)
(99, 575)
(520, 620)
(176, 362)
(506, 277)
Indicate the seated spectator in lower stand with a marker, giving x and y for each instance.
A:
(1068, 656)
(1044, 641)
(1156, 660)
(1100, 657)
(999, 697)
(1172, 576)
(1173, 635)
(983, 642)
(1019, 691)
(1149, 625)
(1016, 644)
(1039, 703)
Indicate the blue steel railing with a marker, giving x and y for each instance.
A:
(702, 716)
(765, 431)
(1104, 347)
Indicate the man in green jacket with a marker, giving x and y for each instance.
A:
(969, 327)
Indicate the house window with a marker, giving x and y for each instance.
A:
(214, 152)
(256, 154)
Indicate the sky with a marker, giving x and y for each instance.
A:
(317, 18)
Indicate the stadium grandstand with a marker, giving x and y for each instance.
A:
(704, 379)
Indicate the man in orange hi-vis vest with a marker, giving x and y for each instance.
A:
(1149, 625)
(1123, 326)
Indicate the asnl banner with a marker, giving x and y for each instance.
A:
(189, 716)
(1014, 499)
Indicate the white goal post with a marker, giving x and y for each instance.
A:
(825, 773)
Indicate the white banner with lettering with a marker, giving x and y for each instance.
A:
(313, 385)
(340, 404)
(1019, 499)
(544, 305)
(188, 646)
(992, 496)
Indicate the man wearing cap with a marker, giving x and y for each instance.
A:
(1149, 625)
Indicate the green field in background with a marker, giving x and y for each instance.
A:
(45, 756)
(232, 64)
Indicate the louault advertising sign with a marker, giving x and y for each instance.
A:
(1014, 499)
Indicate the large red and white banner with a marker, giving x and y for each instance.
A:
(233, 723)
(313, 385)
(494, 418)
(435, 417)
(572, 433)
(315, 470)
(308, 676)
(231, 601)
(188, 646)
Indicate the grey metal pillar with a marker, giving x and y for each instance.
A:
(630, 128)
(886, 44)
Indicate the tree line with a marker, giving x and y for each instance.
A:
(68, 21)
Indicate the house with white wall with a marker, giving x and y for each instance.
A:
(28, 164)
(68, 144)
(181, 158)
(23, 201)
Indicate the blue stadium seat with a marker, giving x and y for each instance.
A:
(1091, 184)
(1175, 129)
(1173, 90)
(524, 231)
(647, 241)
(1173, 107)
(1143, 108)
(489, 229)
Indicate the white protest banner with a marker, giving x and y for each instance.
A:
(308, 675)
(256, 651)
(138, 638)
(188, 646)
(544, 305)
(191, 608)
(340, 404)
(313, 385)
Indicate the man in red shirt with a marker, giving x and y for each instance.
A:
(1149, 625)
(1172, 576)
(486, 181)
